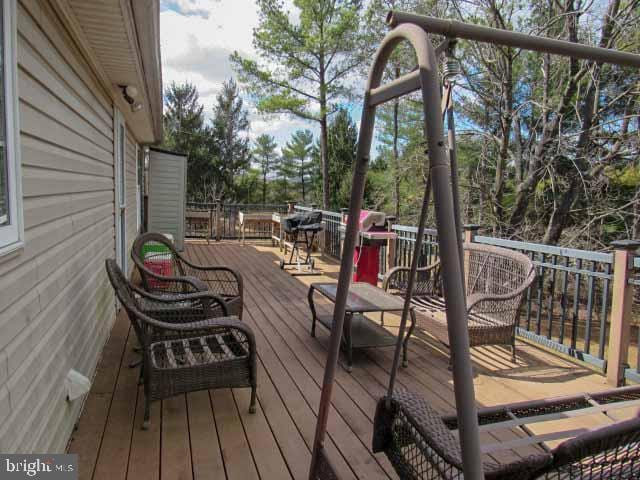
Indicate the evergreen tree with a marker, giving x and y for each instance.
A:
(298, 150)
(184, 132)
(342, 143)
(306, 63)
(229, 138)
(264, 152)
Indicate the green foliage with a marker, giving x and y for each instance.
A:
(304, 64)
(296, 161)
(265, 155)
(342, 144)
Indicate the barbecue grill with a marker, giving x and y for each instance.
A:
(302, 228)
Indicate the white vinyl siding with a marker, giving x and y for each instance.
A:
(56, 304)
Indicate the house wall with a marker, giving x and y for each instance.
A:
(56, 305)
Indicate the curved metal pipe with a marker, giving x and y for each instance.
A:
(448, 239)
(454, 28)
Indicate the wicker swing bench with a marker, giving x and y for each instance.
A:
(495, 280)
(421, 444)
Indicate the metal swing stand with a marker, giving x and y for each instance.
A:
(415, 29)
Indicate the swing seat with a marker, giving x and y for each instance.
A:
(420, 446)
(496, 280)
(420, 443)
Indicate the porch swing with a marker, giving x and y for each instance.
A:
(419, 442)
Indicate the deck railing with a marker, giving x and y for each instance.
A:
(222, 219)
(568, 309)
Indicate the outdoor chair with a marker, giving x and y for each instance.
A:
(184, 348)
(421, 445)
(496, 280)
(160, 264)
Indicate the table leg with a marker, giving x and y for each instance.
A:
(405, 343)
(346, 333)
(313, 311)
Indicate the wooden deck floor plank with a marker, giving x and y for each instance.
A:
(238, 457)
(175, 455)
(446, 404)
(298, 408)
(206, 456)
(267, 454)
(87, 438)
(356, 455)
(113, 461)
(276, 441)
(144, 458)
(308, 372)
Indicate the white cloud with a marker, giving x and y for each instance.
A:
(197, 37)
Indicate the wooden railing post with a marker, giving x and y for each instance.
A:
(470, 232)
(218, 219)
(621, 304)
(291, 207)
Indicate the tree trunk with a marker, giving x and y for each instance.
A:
(264, 186)
(324, 157)
(302, 182)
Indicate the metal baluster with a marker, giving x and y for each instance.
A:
(576, 305)
(604, 312)
(539, 299)
(532, 256)
(552, 292)
(587, 333)
(564, 303)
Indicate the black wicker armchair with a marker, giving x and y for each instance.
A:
(185, 349)
(169, 272)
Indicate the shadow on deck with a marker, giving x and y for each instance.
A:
(212, 435)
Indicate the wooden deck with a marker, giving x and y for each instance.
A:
(212, 435)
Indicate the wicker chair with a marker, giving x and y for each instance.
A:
(495, 280)
(222, 281)
(184, 348)
(420, 443)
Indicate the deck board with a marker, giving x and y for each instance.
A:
(211, 434)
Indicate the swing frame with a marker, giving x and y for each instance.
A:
(443, 180)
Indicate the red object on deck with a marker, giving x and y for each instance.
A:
(159, 266)
(366, 264)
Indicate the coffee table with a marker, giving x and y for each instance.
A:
(360, 331)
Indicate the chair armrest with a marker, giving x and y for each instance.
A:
(397, 270)
(173, 284)
(208, 300)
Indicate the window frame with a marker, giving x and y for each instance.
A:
(120, 188)
(12, 234)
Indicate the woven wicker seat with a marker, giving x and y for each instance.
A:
(496, 280)
(421, 446)
(178, 275)
(185, 347)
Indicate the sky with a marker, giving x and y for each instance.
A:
(197, 37)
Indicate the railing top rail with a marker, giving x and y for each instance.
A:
(547, 249)
(411, 229)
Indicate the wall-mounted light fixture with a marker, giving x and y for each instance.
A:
(129, 93)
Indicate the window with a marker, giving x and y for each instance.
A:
(11, 229)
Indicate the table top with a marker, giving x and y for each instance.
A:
(363, 297)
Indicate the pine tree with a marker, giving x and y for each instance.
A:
(184, 132)
(298, 150)
(229, 132)
(264, 152)
(305, 65)
(342, 142)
